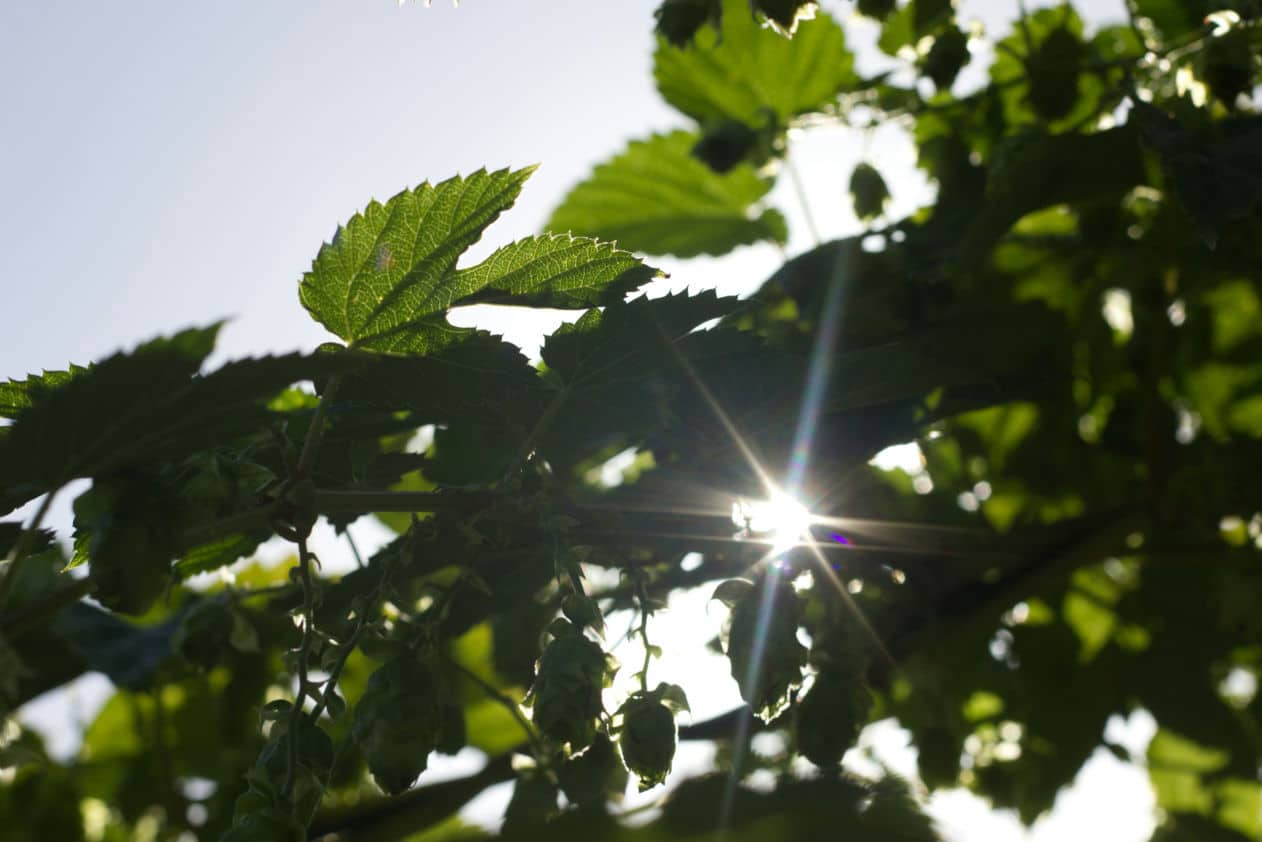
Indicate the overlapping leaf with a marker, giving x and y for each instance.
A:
(607, 346)
(555, 271)
(474, 377)
(749, 73)
(141, 406)
(17, 395)
(657, 198)
(386, 278)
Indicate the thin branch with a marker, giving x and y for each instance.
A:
(304, 652)
(642, 594)
(315, 433)
(350, 540)
(495, 695)
(361, 621)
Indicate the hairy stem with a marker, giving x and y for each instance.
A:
(304, 652)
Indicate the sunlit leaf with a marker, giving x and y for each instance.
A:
(655, 197)
(749, 73)
(387, 277)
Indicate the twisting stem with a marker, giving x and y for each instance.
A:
(315, 433)
(643, 596)
(18, 554)
(304, 652)
(496, 696)
(361, 621)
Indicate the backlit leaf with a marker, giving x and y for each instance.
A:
(655, 197)
(555, 271)
(749, 73)
(388, 276)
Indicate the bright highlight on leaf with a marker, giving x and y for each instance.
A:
(388, 277)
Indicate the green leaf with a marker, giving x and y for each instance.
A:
(478, 376)
(141, 407)
(946, 58)
(898, 31)
(783, 15)
(91, 422)
(657, 198)
(17, 395)
(388, 276)
(1032, 170)
(555, 271)
(1215, 182)
(679, 20)
(878, 9)
(928, 14)
(609, 345)
(868, 191)
(212, 556)
(751, 74)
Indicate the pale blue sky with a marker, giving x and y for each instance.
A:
(165, 164)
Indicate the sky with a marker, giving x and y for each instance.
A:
(170, 164)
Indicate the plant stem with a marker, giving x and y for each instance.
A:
(18, 554)
(304, 652)
(350, 540)
(315, 433)
(642, 595)
(360, 622)
(495, 695)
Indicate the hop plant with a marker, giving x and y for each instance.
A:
(398, 722)
(572, 672)
(767, 663)
(648, 736)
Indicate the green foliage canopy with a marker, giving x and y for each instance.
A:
(1070, 333)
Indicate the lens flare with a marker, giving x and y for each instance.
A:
(782, 519)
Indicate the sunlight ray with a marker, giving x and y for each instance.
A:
(817, 378)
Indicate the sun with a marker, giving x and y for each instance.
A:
(780, 519)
